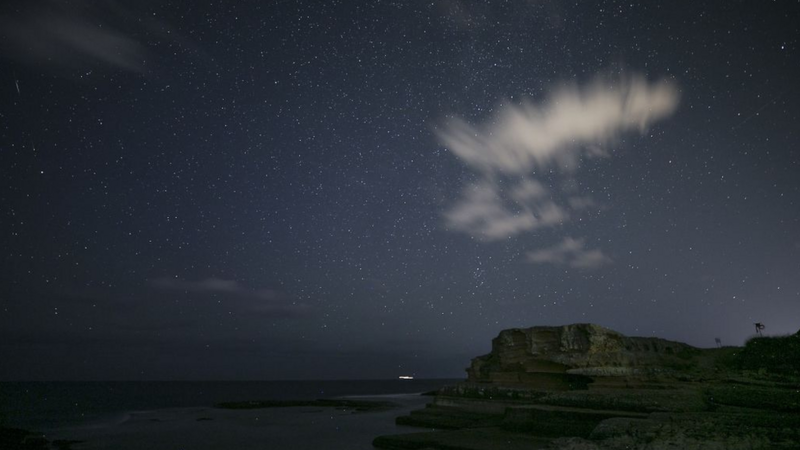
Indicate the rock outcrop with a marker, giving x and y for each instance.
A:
(587, 387)
(563, 357)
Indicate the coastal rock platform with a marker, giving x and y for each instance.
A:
(585, 387)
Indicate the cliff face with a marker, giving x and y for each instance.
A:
(561, 357)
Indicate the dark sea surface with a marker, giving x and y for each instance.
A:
(48, 405)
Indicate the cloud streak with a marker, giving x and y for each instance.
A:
(88, 35)
(213, 286)
(63, 39)
(264, 301)
(570, 252)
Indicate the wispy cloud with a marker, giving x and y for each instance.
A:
(213, 286)
(489, 214)
(511, 152)
(53, 37)
(572, 121)
(87, 35)
(266, 301)
(570, 252)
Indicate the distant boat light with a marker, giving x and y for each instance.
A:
(405, 377)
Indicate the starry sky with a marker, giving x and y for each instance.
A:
(366, 189)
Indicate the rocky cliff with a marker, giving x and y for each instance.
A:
(585, 387)
(562, 357)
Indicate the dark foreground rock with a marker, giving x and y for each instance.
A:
(584, 387)
(477, 439)
(19, 439)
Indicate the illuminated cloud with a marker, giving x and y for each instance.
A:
(512, 151)
(570, 122)
(570, 252)
(485, 213)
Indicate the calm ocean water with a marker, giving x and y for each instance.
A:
(35, 405)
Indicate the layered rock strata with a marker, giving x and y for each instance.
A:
(567, 357)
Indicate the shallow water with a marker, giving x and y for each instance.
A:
(201, 428)
(177, 415)
(36, 405)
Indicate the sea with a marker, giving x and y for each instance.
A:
(180, 414)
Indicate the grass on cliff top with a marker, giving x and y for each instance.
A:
(758, 397)
(774, 355)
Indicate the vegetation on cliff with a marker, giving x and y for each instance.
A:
(774, 355)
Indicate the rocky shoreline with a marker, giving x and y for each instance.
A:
(19, 439)
(242, 425)
(584, 387)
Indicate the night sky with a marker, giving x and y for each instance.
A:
(366, 189)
